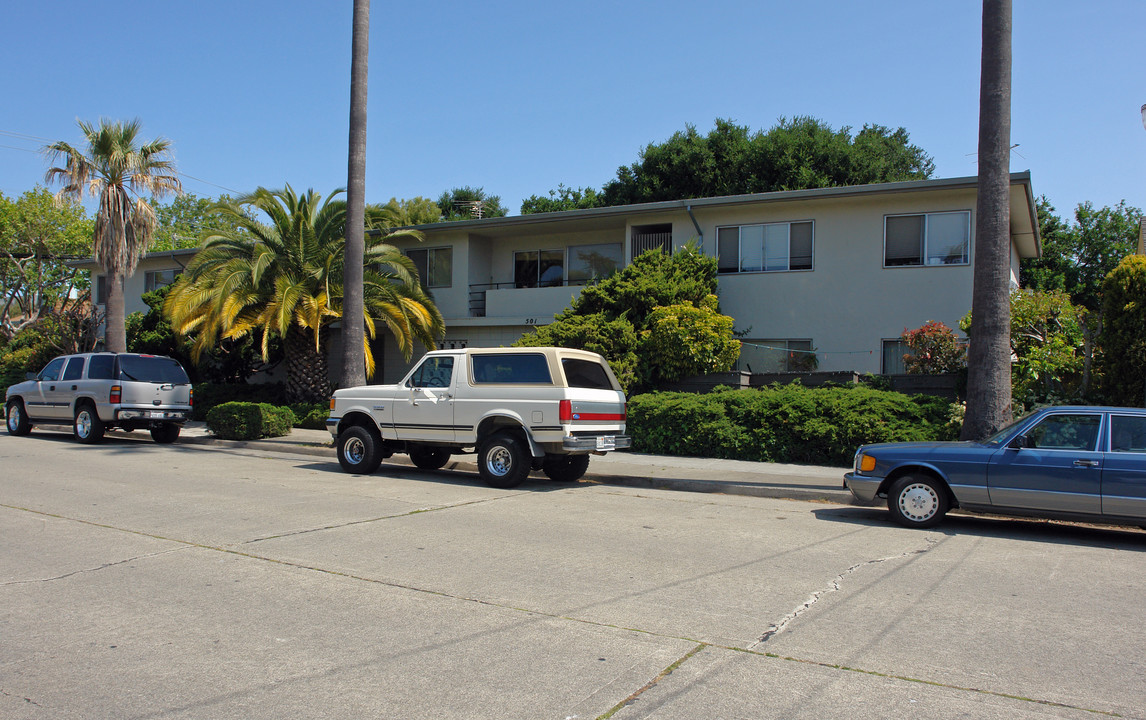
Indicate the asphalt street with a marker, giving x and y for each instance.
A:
(219, 581)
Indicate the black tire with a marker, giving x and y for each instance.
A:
(18, 422)
(359, 450)
(429, 458)
(86, 425)
(917, 501)
(565, 468)
(165, 434)
(503, 461)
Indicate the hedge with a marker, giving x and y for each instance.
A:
(209, 395)
(785, 423)
(249, 421)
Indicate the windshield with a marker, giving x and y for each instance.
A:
(152, 369)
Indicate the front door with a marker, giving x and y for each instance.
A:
(1057, 469)
(47, 402)
(424, 410)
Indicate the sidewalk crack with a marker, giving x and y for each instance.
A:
(85, 571)
(836, 583)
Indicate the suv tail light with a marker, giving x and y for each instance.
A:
(565, 413)
(116, 394)
(191, 396)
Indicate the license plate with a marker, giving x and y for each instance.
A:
(158, 414)
(606, 442)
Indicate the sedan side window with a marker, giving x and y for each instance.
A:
(1127, 433)
(1065, 432)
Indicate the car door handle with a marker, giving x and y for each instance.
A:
(1086, 463)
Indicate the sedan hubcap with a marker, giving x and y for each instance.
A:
(918, 502)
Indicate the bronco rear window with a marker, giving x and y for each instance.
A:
(152, 369)
(586, 374)
(515, 369)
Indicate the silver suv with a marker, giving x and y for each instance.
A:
(97, 391)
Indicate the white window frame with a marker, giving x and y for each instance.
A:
(763, 249)
(924, 260)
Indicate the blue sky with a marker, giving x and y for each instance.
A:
(517, 97)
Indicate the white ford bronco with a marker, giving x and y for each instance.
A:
(519, 409)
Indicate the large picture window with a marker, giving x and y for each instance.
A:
(765, 248)
(593, 262)
(435, 266)
(539, 268)
(155, 279)
(927, 239)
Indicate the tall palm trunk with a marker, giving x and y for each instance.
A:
(353, 325)
(115, 332)
(989, 354)
(307, 374)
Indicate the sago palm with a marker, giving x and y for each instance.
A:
(285, 276)
(122, 173)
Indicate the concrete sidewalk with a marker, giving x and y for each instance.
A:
(731, 477)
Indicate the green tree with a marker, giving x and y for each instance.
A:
(284, 277)
(563, 198)
(121, 170)
(628, 314)
(1123, 358)
(183, 220)
(794, 154)
(468, 203)
(407, 213)
(989, 356)
(37, 238)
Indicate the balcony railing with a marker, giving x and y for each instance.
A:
(478, 293)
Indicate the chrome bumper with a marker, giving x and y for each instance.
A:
(596, 443)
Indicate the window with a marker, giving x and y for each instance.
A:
(893, 352)
(1128, 433)
(764, 248)
(152, 369)
(539, 268)
(101, 290)
(434, 372)
(652, 237)
(74, 370)
(593, 262)
(435, 266)
(101, 367)
(515, 368)
(1065, 432)
(586, 374)
(52, 370)
(155, 279)
(927, 239)
(775, 356)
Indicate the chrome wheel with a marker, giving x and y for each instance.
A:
(354, 450)
(499, 461)
(13, 418)
(87, 427)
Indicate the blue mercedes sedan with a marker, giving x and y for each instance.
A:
(1074, 463)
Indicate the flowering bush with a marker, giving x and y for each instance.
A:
(933, 349)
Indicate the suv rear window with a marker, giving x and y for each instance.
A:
(151, 368)
(515, 369)
(585, 374)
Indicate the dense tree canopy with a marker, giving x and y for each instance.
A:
(1123, 359)
(468, 203)
(732, 160)
(186, 218)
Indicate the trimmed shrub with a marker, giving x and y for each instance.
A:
(784, 423)
(209, 395)
(311, 416)
(249, 421)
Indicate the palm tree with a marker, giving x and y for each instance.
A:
(353, 366)
(285, 277)
(122, 172)
(989, 354)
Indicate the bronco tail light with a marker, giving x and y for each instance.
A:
(566, 411)
(116, 394)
